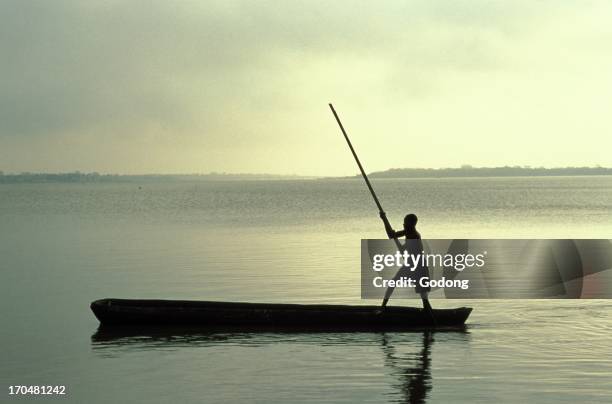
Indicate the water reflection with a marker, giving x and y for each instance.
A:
(414, 381)
(407, 356)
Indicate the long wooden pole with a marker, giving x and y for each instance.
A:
(365, 177)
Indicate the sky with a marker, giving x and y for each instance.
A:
(242, 87)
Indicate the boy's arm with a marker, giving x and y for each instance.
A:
(390, 232)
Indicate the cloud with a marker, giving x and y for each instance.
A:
(74, 65)
(255, 76)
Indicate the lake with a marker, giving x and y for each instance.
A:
(64, 245)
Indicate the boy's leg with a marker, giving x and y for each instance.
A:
(401, 272)
(427, 306)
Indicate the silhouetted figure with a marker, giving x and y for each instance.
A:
(415, 382)
(414, 246)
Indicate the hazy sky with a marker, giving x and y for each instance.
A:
(198, 86)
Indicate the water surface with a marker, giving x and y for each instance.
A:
(64, 245)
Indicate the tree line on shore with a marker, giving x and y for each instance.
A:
(463, 171)
(506, 171)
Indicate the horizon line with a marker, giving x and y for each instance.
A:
(464, 168)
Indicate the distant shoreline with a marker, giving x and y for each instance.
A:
(461, 172)
(506, 171)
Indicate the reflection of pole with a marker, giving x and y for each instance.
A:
(415, 382)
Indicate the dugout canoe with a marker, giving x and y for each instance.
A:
(253, 316)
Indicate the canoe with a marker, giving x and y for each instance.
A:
(254, 316)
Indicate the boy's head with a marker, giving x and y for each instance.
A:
(410, 221)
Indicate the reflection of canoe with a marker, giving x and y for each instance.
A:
(264, 315)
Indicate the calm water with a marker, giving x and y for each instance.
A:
(64, 245)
